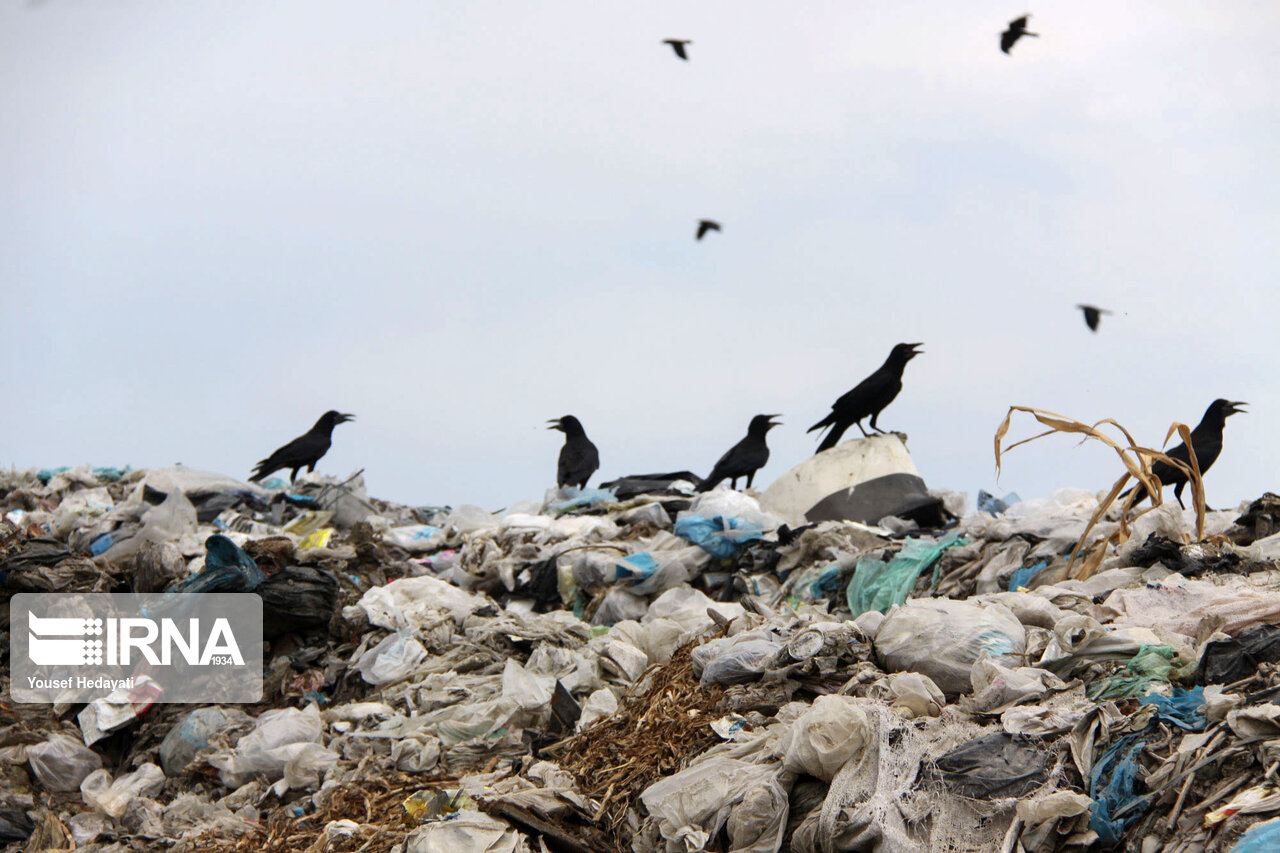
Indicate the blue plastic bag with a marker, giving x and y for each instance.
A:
(1023, 576)
(718, 536)
(988, 502)
(1261, 838)
(1111, 786)
(1184, 709)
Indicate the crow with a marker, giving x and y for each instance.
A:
(744, 458)
(705, 225)
(1206, 438)
(1017, 29)
(678, 46)
(579, 458)
(869, 397)
(1092, 315)
(304, 451)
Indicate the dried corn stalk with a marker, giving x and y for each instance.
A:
(1137, 464)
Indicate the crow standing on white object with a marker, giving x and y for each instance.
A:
(1017, 29)
(678, 46)
(869, 397)
(304, 451)
(579, 458)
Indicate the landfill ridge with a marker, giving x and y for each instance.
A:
(669, 670)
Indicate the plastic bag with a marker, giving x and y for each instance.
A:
(174, 517)
(995, 766)
(942, 639)
(113, 798)
(466, 832)
(530, 691)
(278, 736)
(226, 569)
(830, 732)
(688, 607)
(734, 660)
(997, 687)
(727, 503)
(297, 598)
(717, 535)
(415, 602)
(62, 762)
(394, 658)
(879, 585)
(1260, 838)
(692, 806)
(912, 695)
(184, 740)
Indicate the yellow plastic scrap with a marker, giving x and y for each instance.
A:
(309, 522)
(1243, 800)
(316, 539)
(433, 804)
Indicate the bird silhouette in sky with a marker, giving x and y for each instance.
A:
(705, 225)
(1017, 29)
(678, 46)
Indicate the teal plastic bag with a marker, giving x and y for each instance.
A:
(879, 585)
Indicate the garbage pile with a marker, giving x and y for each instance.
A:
(646, 668)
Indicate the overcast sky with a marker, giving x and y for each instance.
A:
(460, 219)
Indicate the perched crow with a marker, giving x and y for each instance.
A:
(869, 397)
(705, 225)
(304, 451)
(1017, 29)
(678, 46)
(744, 458)
(1091, 316)
(579, 458)
(1206, 438)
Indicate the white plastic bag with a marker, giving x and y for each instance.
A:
(942, 639)
(112, 798)
(62, 762)
(280, 735)
(414, 602)
(395, 657)
(735, 660)
(691, 807)
(834, 729)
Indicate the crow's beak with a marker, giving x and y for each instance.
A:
(555, 423)
(342, 419)
(773, 423)
(1235, 408)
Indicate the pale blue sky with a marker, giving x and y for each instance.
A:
(457, 220)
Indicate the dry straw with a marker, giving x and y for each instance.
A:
(1137, 461)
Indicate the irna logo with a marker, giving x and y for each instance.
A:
(123, 641)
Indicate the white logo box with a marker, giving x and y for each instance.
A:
(168, 647)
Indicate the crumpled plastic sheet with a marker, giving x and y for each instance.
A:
(1183, 708)
(1238, 657)
(997, 765)
(942, 639)
(692, 806)
(1152, 665)
(879, 584)
(466, 832)
(1111, 786)
(1023, 576)
(717, 535)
